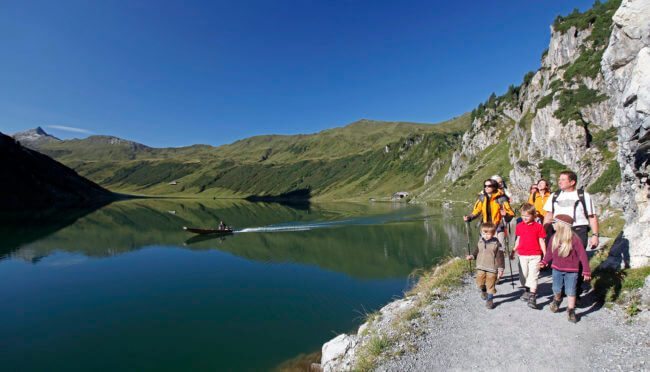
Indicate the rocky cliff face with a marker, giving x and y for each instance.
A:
(626, 69)
(587, 108)
(559, 117)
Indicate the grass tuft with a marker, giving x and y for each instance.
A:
(369, 355)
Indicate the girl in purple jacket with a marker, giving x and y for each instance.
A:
(565, 256)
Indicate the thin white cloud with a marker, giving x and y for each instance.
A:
(70, 129)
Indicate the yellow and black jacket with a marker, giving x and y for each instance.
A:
(489, 208)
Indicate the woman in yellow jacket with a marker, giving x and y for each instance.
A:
(538, 197)
(493, 206)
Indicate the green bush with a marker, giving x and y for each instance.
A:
(601, 139)
(586, 65)
(529, 75)
(550, 169)
(599, 15)
(571, 101)
(607, 181)
(556, 85)
(545, 101)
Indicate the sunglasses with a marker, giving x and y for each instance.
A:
(492, 186)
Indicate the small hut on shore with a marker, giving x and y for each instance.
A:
(399, 195)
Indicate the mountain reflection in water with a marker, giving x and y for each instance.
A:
(124, 287)
(371, 241)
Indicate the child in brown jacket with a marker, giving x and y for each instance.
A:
(489, 263)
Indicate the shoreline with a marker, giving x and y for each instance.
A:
(387, 327)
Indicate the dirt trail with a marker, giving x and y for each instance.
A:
(468, 336)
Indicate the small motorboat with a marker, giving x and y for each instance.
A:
(225, 231)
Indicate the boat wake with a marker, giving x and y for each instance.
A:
(285, 228)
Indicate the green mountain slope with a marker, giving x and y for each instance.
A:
(365, 158)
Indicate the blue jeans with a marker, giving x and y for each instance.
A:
(569, 280)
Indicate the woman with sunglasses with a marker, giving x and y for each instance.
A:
(492, 206)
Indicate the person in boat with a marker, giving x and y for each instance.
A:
(222, 226)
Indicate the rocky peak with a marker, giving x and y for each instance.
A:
(33, 138)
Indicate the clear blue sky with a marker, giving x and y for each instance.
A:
(173, 73)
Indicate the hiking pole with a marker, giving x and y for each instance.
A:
(506, 232)
(469, 253)
(512, 276)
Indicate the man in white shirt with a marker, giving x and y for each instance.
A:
(568, 202)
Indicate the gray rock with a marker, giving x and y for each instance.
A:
(626, 69)
(337, 354)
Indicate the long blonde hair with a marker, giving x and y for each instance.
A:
(563, 239)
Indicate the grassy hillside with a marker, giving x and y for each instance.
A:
(364, 159)
(32, 181)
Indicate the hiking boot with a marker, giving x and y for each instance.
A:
(555, 306)
(571, 314)
(483, 295)
(489, 304)
(532, 301)
(525, 296)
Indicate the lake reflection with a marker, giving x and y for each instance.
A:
(125, 287)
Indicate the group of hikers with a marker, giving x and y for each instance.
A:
(552, 229)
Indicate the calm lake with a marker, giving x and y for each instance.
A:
(123, 287)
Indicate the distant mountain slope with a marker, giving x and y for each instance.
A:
(365, 158)
(32, 180)
(34, 138)
(94, 148)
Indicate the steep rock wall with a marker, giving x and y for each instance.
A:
(626, 68)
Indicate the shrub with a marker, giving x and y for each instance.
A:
(550, 169)
(587, 65)
(545, 101)
(600, 140)
(529, 75)
(600, 16)
(571, 101)
(607, 181)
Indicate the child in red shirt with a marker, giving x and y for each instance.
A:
(531, 246)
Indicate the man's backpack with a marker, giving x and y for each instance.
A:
(581, 199)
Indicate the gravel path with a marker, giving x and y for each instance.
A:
(468, 336)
